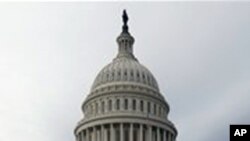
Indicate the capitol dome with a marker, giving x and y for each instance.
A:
(125, 103)
(125, 70)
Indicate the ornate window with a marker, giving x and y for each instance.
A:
(134, 104)
(149, 107)
(110, 105)
(126, 104)
(118, 104)
(141, 105)
(103, 106)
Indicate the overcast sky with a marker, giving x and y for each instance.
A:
(50, 54)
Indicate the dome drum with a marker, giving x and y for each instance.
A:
(125, 103)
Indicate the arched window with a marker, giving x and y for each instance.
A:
(149, 107)
(126, 104)
(118, 104)
(110, 105)
(141, 105)
(103, 106)
(134, 104)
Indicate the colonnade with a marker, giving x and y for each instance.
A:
(125, 132)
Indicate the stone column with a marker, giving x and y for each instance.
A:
(105, 134)
(164, 135)
(78, 136)
(94, 134)
(82, 136)
(169, 136)
(98, 134)
(158, 134)
(102, 133)
(149, 133)
(131, 132)
(112, 133)
(121, 132)
(87, 134)
(141, 132)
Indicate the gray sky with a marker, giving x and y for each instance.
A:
(50, 54)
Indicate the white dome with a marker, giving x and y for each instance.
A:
(125, 69)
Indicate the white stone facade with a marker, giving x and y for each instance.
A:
(125, 103)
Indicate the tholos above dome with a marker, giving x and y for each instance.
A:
(125, 70)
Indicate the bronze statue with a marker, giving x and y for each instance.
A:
(125, 17)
